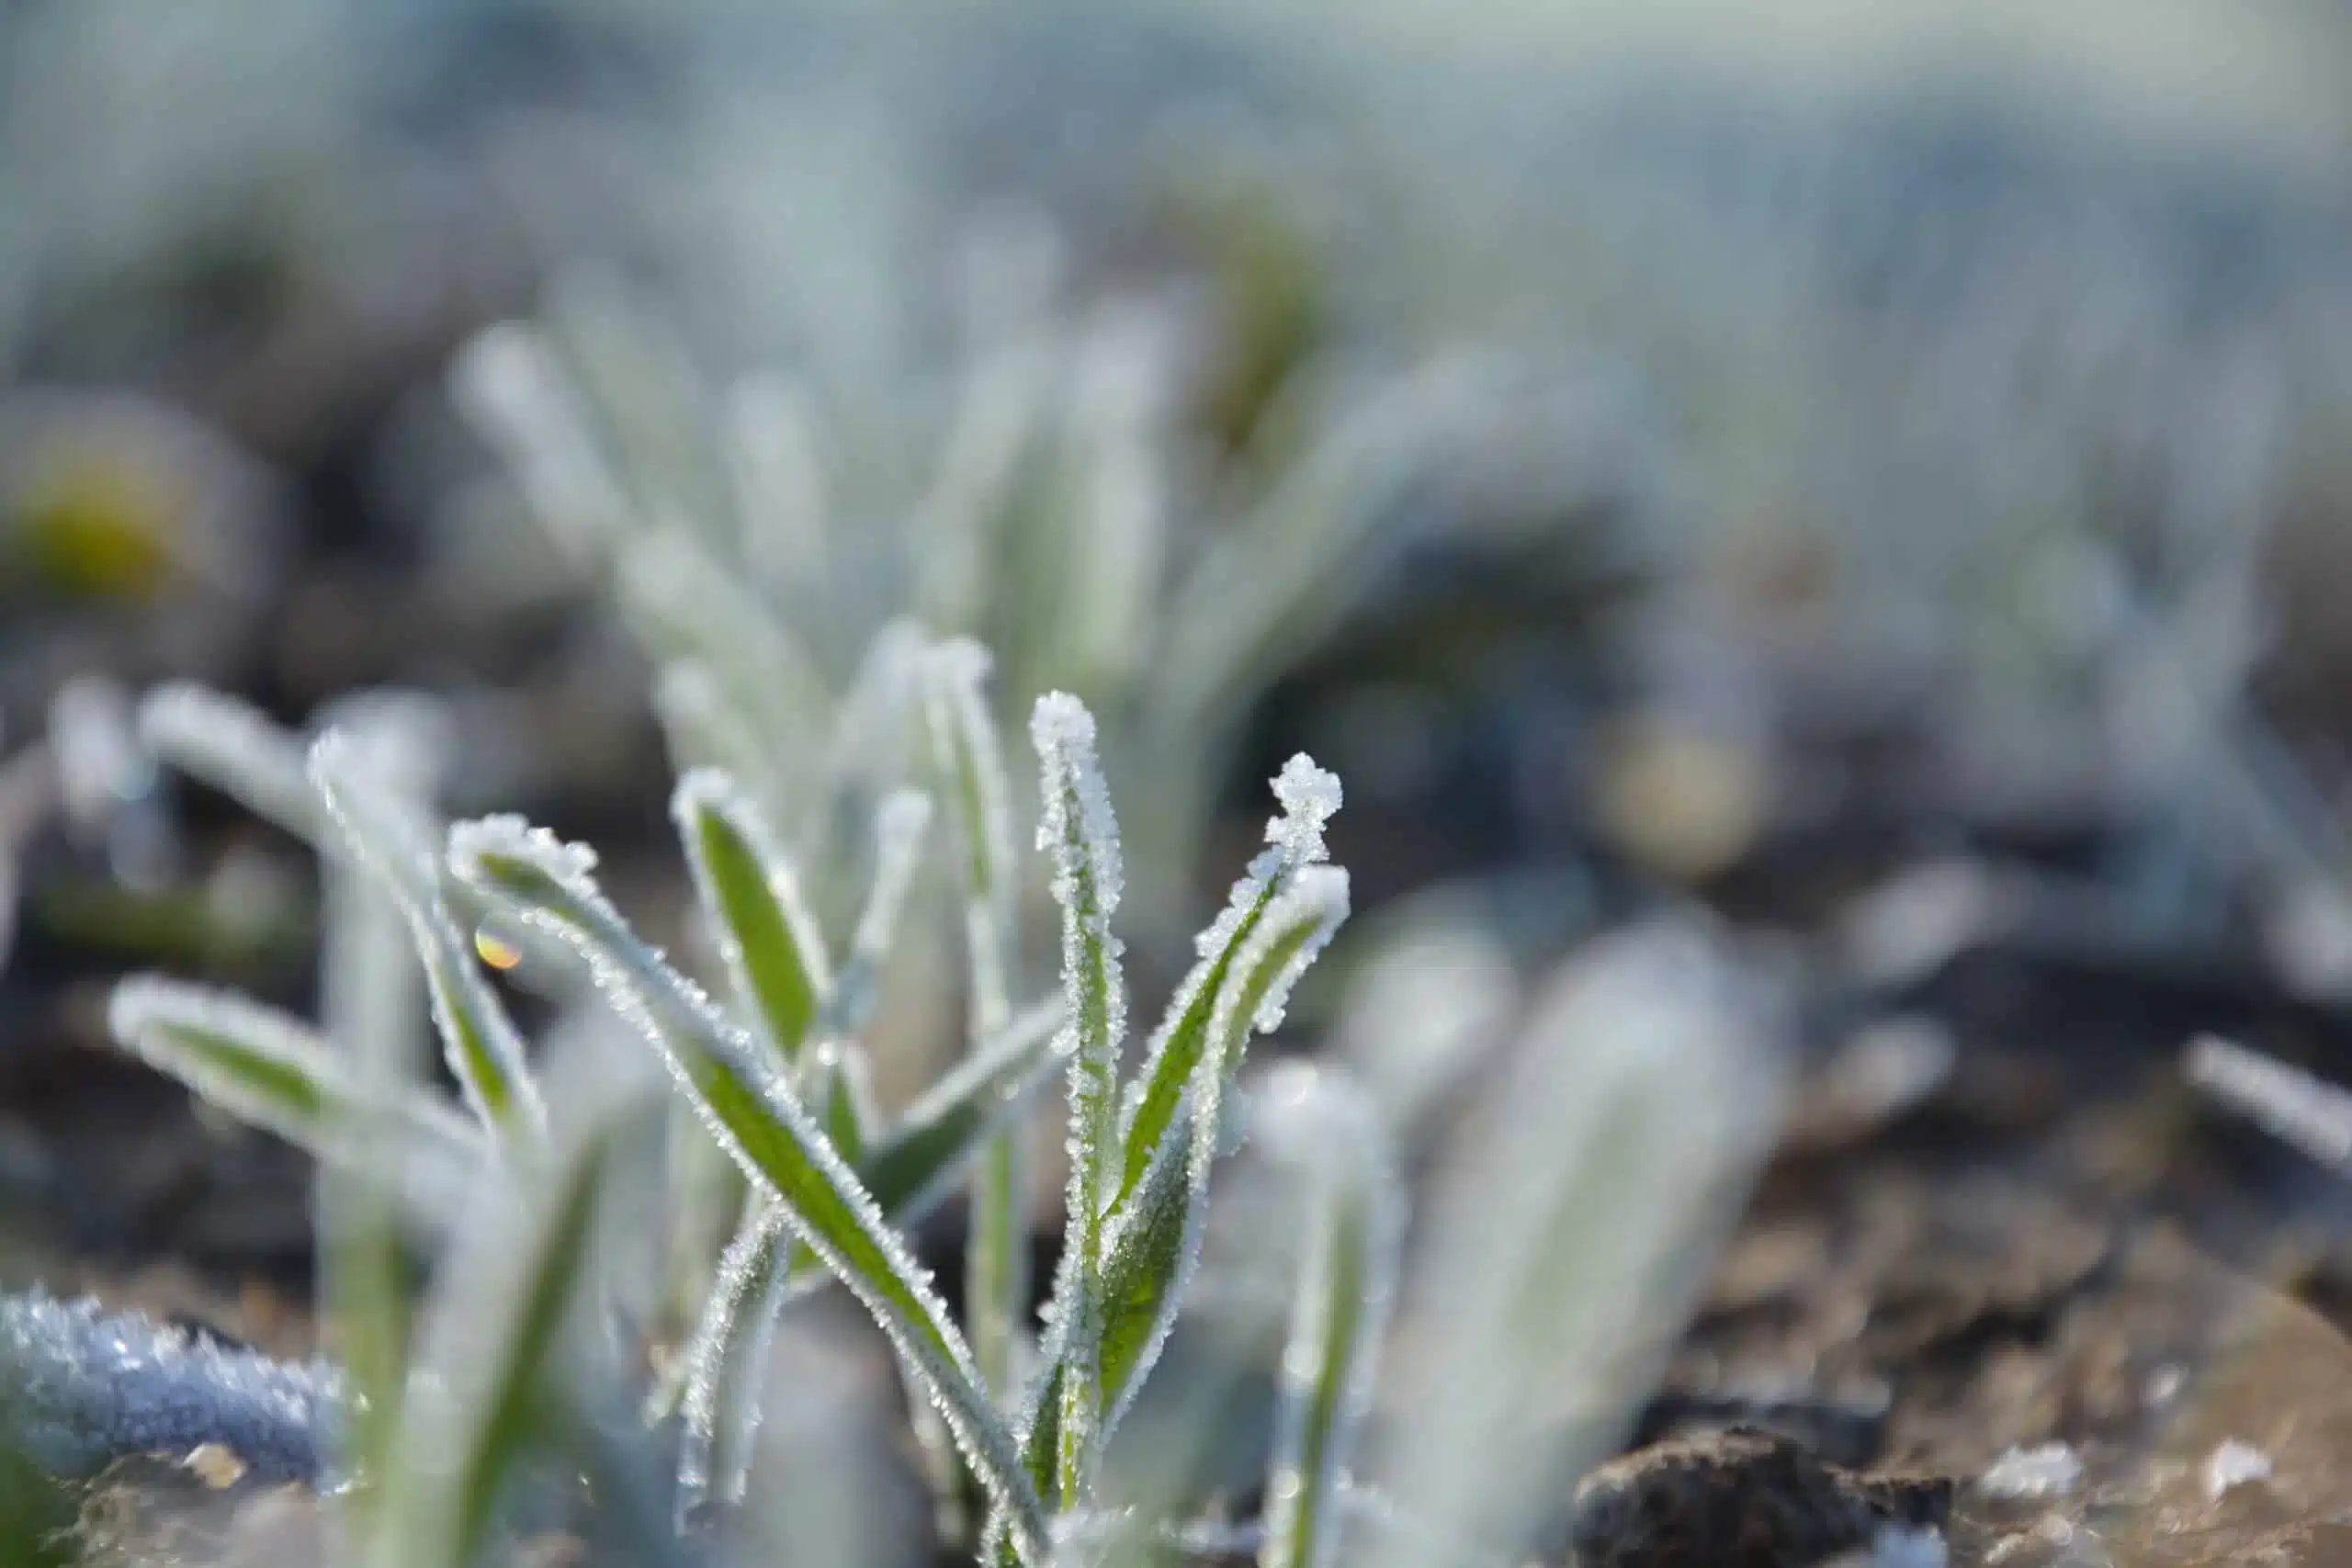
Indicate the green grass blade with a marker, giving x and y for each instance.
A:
(496, 1331)
(908, 1168)
(847, 1103)
(1082, 836)
(968, 755)
(773, 953)
(1153, 1242)
(1322, 1125)
(386, 835)
(268, 1069)
(906, 1172)
(752, 1113)
(233, 746)
(1308, 797)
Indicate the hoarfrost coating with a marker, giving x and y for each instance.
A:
(89, 1387)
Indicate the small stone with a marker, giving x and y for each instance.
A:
(1741, 1498)
(214, 1465)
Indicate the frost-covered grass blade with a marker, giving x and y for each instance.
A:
(1324, 1128)
(496, 1329)
(727, 1355)
(267, 1068)
(234, 748)
(753, 1114)
(1308, 797)
(908, 1167)
(480, 1042)
(1079, 833)
(969, 756)
(1153, 1240)
(773, 954)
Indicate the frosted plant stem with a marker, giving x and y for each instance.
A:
(1078, 830)
(971, 761)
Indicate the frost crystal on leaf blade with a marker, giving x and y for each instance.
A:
(1308, 795)
(1079, 833)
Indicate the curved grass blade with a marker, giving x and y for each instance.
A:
(1151, 1247)
(267, 1068)
(969, 756)
(773, 954)
(908, 1168)
(754, 1116)
(498, 1326)
(1308, 797)
(480, 1040)
(1321, 1123)
(1078, 830)
(234, 748)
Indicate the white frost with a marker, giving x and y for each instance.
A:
(2233, 1463)
(2050, 1469)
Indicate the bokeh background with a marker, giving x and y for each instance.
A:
(1877, 474)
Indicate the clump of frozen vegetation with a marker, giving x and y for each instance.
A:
(533, 1328)
(573, 1333)
(757, 537)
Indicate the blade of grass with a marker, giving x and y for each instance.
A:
(483, 1049)
(1571, 1224)
(773, 954)
(1152, 1242)
(267, 1068)
(909, 1167)
(497, 1330)
(751, 1112)
(1078, 830)
(727, 1357)
(1308, 797)
(1321, 1123)
(969, 758)
(233, 746)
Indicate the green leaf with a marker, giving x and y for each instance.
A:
(727, 1357)
(969, 758)
(751, 898)
(752, 1113)
(1320, 1124)
(233, 746)
(912, 1166)
(386, 835)
(1153, 1242)
(1082, 837)
(1308, 797)
(496, 1330)
(268, 1069)
(1570, 1223)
